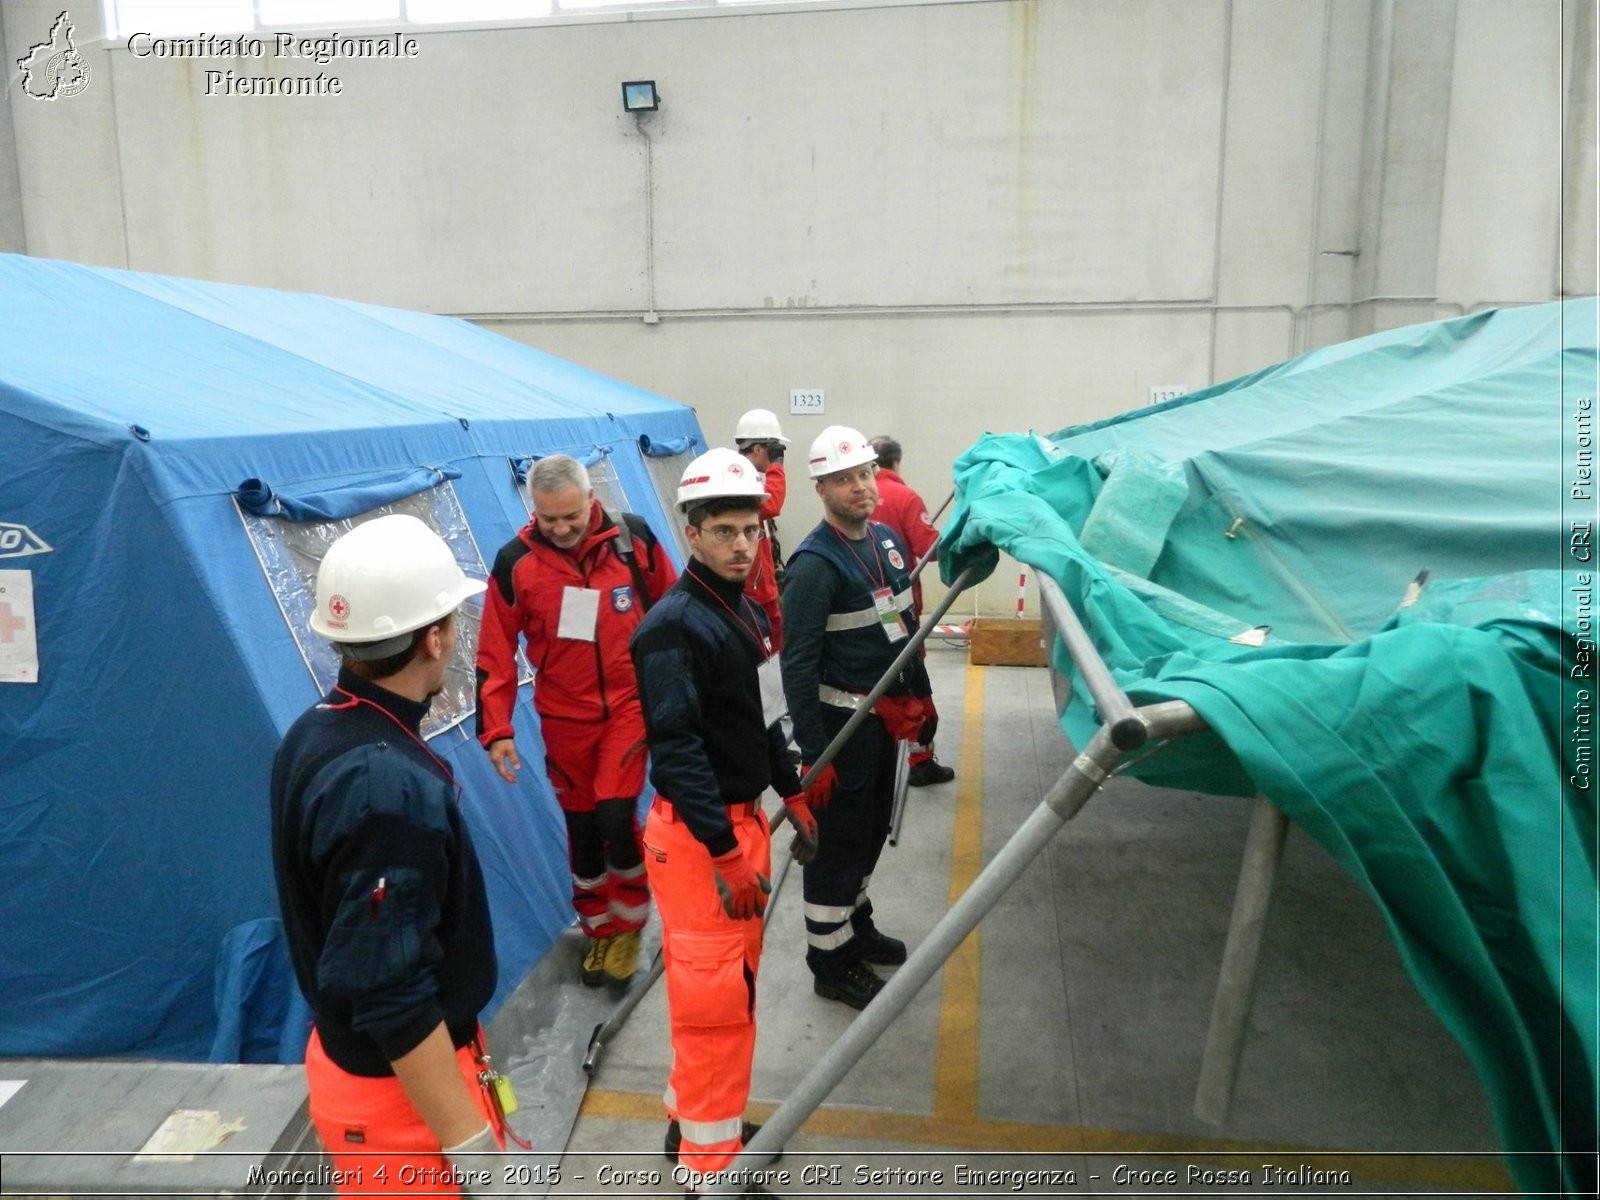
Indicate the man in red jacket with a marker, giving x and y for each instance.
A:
(902, 510)
(759, 439)
(567, 585)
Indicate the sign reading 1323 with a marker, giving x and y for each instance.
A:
(806, 402)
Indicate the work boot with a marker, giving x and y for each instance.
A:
(851, 983)
(622, 956)
(875, 946)
(593, 970)
(930, 771)
(674, 1139)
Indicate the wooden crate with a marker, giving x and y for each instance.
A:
(1006, 642)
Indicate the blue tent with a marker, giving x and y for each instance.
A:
(175, 456)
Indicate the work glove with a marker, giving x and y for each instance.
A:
(930, 727)
(743, 890)
(481, 1162)
(819, 792)
(804, 846)
(902, 716)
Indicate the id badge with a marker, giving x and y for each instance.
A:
(773, 704)
(504, 1095)
(893, 628)
(580, 613)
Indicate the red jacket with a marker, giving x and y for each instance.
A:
(575, 679)
(903, 511)
(761, 585)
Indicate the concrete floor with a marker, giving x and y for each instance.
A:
(1066, 1033)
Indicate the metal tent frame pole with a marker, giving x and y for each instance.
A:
(1125, 729)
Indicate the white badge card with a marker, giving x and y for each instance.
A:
(580, 613)
(773, 704)
(893, 627)
(19, 644)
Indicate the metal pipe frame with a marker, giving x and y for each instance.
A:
(1058, 806)
(1116, 711)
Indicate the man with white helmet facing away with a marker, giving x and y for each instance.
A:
(382, 894)
(847, 607)
(713, 701)
(761, 440)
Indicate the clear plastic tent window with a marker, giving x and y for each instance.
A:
(290, 553)
(666, 471)
(607, 487)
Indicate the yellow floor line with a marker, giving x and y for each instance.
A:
(955, 1071)
(975, 1133)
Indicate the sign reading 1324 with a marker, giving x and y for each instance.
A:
(806, 402)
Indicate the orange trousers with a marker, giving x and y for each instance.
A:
(378, 1143)
(711, 963)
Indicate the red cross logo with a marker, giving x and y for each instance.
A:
(844, 447)
(10, 625)
(735, 469)
(338, 607)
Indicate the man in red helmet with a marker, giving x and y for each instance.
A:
(574, 583)
(902, 510)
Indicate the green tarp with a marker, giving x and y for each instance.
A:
(1440, 749)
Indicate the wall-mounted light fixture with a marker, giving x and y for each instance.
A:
(639, 95)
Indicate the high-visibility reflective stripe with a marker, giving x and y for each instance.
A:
(866, 618)
(581, 884)
(830, 941)
(669, 1099)
(628, 873)
(595, 921)
(709, 1133)
(837, 698)
(829, 914)
(629, 912)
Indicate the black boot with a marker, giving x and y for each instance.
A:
(930, 771)
(875, 946)
(674, 1140)
(850, 983)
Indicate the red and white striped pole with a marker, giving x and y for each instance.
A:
(1022, 592)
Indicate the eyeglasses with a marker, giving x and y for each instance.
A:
(731, 533)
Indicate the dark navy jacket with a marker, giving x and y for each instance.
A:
(709, 744)
(831, 632)
(382, 895)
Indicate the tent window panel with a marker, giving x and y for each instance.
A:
(290, 553)
(666, 472)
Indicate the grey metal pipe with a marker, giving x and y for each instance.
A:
(1128, 732)
(1241, 957)
(1069, 793)
(902, 785)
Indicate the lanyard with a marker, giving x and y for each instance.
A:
(882, 577)
(753, 628)
(356, 700)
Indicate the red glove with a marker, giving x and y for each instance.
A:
(902, 716)
(819, 792)
(743, 891)
(804, 847)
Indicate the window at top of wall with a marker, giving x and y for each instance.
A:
(434, 11)
(297, 13)
(127, 17)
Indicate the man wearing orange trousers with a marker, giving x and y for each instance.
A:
(382, 895)
(712, 694)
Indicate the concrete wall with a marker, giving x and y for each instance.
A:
(12, 239)
(952, 217)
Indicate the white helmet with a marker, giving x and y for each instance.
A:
(718, 473)
(382, 581)
(759, 425)
(838, 448)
